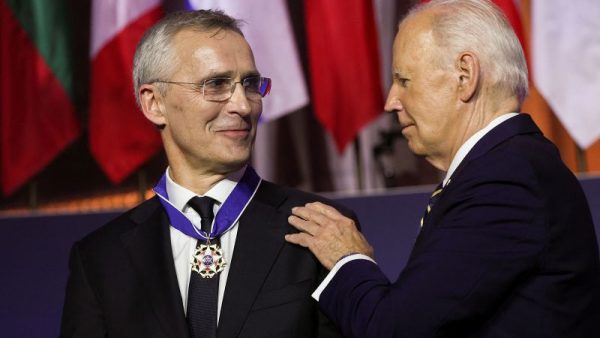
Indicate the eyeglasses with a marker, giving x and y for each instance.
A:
(221, 88)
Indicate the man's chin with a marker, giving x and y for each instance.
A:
(414, 148)
(234, 163)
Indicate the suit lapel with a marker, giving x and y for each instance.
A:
(149, 248)
(260, 238)
(520, 124)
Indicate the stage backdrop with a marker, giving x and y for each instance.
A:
(34, 252)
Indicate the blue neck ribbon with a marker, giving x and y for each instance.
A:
(226, 217)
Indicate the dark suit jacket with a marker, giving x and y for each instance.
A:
(508, 250)
(123, 283)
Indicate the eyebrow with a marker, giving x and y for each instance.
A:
(213, 74)
(399, 75)
(250, 74)
(229, 74)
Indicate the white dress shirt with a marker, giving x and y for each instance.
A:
(184, 246)
(458, 158)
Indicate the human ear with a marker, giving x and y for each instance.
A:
(150, 97)
(468, 75)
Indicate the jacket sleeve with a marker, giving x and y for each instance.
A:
(480, 241)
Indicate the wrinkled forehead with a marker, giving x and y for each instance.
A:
(416, 29)
(414, 38)
(212, 52)
(189, 40)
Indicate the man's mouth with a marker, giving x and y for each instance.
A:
(405, 126)
(234, 132)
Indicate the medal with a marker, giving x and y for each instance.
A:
(208, 260)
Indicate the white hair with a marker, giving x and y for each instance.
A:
(480, 27)
(154, 55)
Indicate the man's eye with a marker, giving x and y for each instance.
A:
(403, 82)
(218, 83)
(252, 83)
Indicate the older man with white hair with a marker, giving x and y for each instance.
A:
(507, 246)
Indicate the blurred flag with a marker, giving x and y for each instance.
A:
(121, 139)
(356, 169)
(268, 30)
(37, 115)
(343, 57)
(574, 157)
(566, 63)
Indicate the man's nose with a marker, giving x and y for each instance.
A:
(393, 103)
(239, 99)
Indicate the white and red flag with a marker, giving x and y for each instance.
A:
(121, 139)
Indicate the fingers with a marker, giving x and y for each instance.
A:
(327, 233)
(321, 214)
(301, 239)
(319, 210)
(310, 215)
(303, 224)
(326, 210)
(308, 219)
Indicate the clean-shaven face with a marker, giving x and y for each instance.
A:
(215, 136)
(423, 93)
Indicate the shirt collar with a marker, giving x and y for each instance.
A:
(471, 142)
(179, 195)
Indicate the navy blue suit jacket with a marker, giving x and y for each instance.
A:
(509, 250)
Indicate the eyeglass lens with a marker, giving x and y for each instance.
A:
(218, 89)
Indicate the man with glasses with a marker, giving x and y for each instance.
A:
(206, 257)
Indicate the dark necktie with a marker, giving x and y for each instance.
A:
(435, 195)
(203, 293)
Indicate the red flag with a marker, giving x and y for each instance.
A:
(121, 139)
(37, 116)
(344, 67)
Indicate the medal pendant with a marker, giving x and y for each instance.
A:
(208, 260)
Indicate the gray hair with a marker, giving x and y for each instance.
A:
(154, 57)
(481, 27)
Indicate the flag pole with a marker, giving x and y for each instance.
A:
(33, 195)
(358, 158)
(580, 159)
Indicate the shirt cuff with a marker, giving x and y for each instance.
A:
(317, 293)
